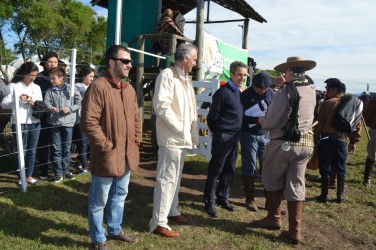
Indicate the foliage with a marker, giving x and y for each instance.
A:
(49, 25)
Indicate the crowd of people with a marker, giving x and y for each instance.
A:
(281, 128)
(48, 116)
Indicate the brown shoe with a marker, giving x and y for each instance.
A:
(123, 237)
(178, 219)
(99, 246)
(251, 205)
(165, 232)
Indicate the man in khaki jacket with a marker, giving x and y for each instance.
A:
(110, 119)
(174, 104)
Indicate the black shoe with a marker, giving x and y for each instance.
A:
(69, 176)
(57, 178)
(322, 198)
(210, 210)
(226, 205)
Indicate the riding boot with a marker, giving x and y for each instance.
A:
(283, 211)
(324, 189)
(340, 188)
(332, 180)
(294, 233)
(368, 171)
(249, 189)
(273, 219)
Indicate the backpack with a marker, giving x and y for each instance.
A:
(347, 114)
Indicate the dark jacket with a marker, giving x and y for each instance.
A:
(251, 99)
(369, 113)
(226, 111)
(110, 118)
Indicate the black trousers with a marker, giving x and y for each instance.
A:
(221, 166)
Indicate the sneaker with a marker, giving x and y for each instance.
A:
(32, 181)
(69, 176)
(43, 177)
(83, 171)
(19, 183)
(57, 178)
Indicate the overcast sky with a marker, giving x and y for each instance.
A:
(339, 35)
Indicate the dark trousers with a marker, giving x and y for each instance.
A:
(332, 156)
(44, 147)
(81, 141)
(221, 166)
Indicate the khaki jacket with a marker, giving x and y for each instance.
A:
(110, 118)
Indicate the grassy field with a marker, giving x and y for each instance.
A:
(54, 216)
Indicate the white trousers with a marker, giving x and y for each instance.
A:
(166, 191)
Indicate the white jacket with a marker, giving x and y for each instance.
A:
(174, 104)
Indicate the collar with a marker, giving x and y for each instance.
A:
(65, 87)
(181, 72)
(232, 85)
(110, 79)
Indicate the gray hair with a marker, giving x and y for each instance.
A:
(184, 50)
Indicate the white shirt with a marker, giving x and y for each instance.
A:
(26, 110)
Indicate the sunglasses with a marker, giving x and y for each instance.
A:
(123, 60)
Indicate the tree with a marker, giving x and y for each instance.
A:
(6, 9)
(55, 25)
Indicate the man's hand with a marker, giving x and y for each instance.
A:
(351, 148)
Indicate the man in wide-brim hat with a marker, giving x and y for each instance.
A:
(297, 63)
(290, 147)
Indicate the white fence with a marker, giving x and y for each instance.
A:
(205, 96)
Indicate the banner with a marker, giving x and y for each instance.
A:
(218, 56)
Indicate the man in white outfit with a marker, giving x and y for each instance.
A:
(174, 104)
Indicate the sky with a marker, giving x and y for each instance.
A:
(338, 34)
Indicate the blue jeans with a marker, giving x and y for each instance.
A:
(61, 141)
(110, 192)
(332, 155)
(82, 142)
(252, 147)
(30, 136)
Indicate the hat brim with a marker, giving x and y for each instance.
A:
(306, 64)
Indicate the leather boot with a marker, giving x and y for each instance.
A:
(324, 189)
(273, 219)
(294, 233)
(368, 172)
(332, 180)
(340, 188)
(283, 211)
(249, 189)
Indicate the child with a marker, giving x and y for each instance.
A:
(63, 110)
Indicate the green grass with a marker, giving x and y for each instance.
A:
(54, 216)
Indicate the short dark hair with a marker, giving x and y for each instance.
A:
(60, 72)
(334, 83)
(112, 52)
(184, 50)
(236, 64)
(84, 72)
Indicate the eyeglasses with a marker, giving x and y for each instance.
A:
(123, 60)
